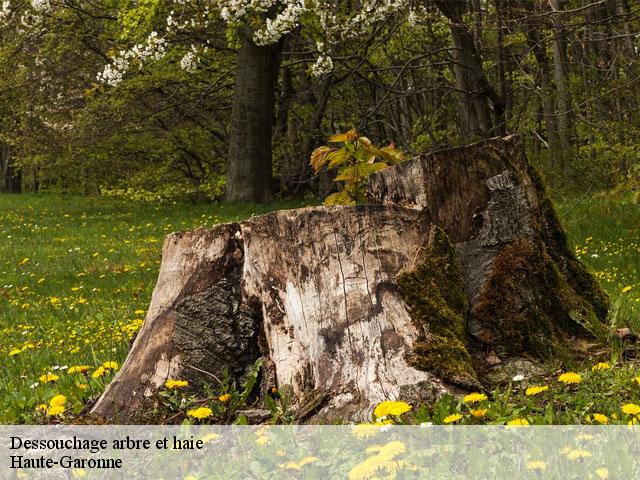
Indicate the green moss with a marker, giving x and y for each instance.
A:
(579, 279)
(435, 294)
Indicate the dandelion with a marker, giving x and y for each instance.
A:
(55, 411)
(631, 409)
(42, 407)
(538, 465)
(389, 407)
(637, 380)
(49, 377)
(600, 366)
(58, 401)
(99, 372)
(602, 473)
(365, 430)
(569, 378)
(479, 413)
(139, 312)
(475, 397)
(78, 473)
(15, 351)
(224, 398)
(601, 418)
(518, 422)
(626, 289)
(535, 390)
(78, 369)
(262, 440)
(110, 365)
(452, 418)
(200, 413)
(578, 454)
(176, 384)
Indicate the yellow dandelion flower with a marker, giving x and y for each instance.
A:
(110, 365)
(602, 473)
(389, 407)
(49, 377)
(538, 465)
(15, 351)
(290, 466)
(55, 411)
(99, 372)
(518, 422)
(78, 473)
(42, 407)
(474, 397)
(176, 384)
(626, 289)
(139, 312)
(58, 401)
(365, 430)
(535, 390)
(262, 440)
(78, 369)
(224, 398)
(637, 380)
(600, 366)
(578, 454)
(570, 378)
(306, 460)
(452, 418)
(479, 413)
(631, 409)
(601, 418)
(200, 413)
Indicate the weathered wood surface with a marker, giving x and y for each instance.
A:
(460, 255)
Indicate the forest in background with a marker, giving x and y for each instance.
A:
(160, 100)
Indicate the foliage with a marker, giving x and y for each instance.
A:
(354, 161)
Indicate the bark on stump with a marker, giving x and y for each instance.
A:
(459, 264)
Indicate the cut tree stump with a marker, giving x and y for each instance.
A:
(458, 268)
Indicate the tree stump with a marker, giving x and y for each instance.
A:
(458, 266)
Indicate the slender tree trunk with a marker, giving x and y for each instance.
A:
(482, 107)
(9, 177)
(561, 73)
(250, 172)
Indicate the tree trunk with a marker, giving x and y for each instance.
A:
(457, 270)
(250, 171)
(9, 177)
(482, 107)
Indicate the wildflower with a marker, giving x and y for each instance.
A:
(78, 369)
(637, 379)
(365, 430)
(479, 413)
(600, 366)
(42, 407)
(290, 466)
(78, 473)
(139, 312)
(262, 440)
(176, 384)
(224, 398)
(200, 413)
(306, 460)
(58, 401)
(110, 365)
(603, 473)
(626, 289)
(631, 409)
(601, 418)
(49, 377)
(518, 378)
(538, 465)
(55, 411)
(518, 422)
(452, 418)
(577, 454)
(15, 351)
(535, 390)
(99, 372)
(570, 378)
(389, 407)
(475, 397)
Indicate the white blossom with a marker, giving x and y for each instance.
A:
(41, 5)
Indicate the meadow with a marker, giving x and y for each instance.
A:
(77, 273)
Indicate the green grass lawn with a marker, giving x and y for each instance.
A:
(76, 276)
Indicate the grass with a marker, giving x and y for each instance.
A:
(77, 276)
(76, 279)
